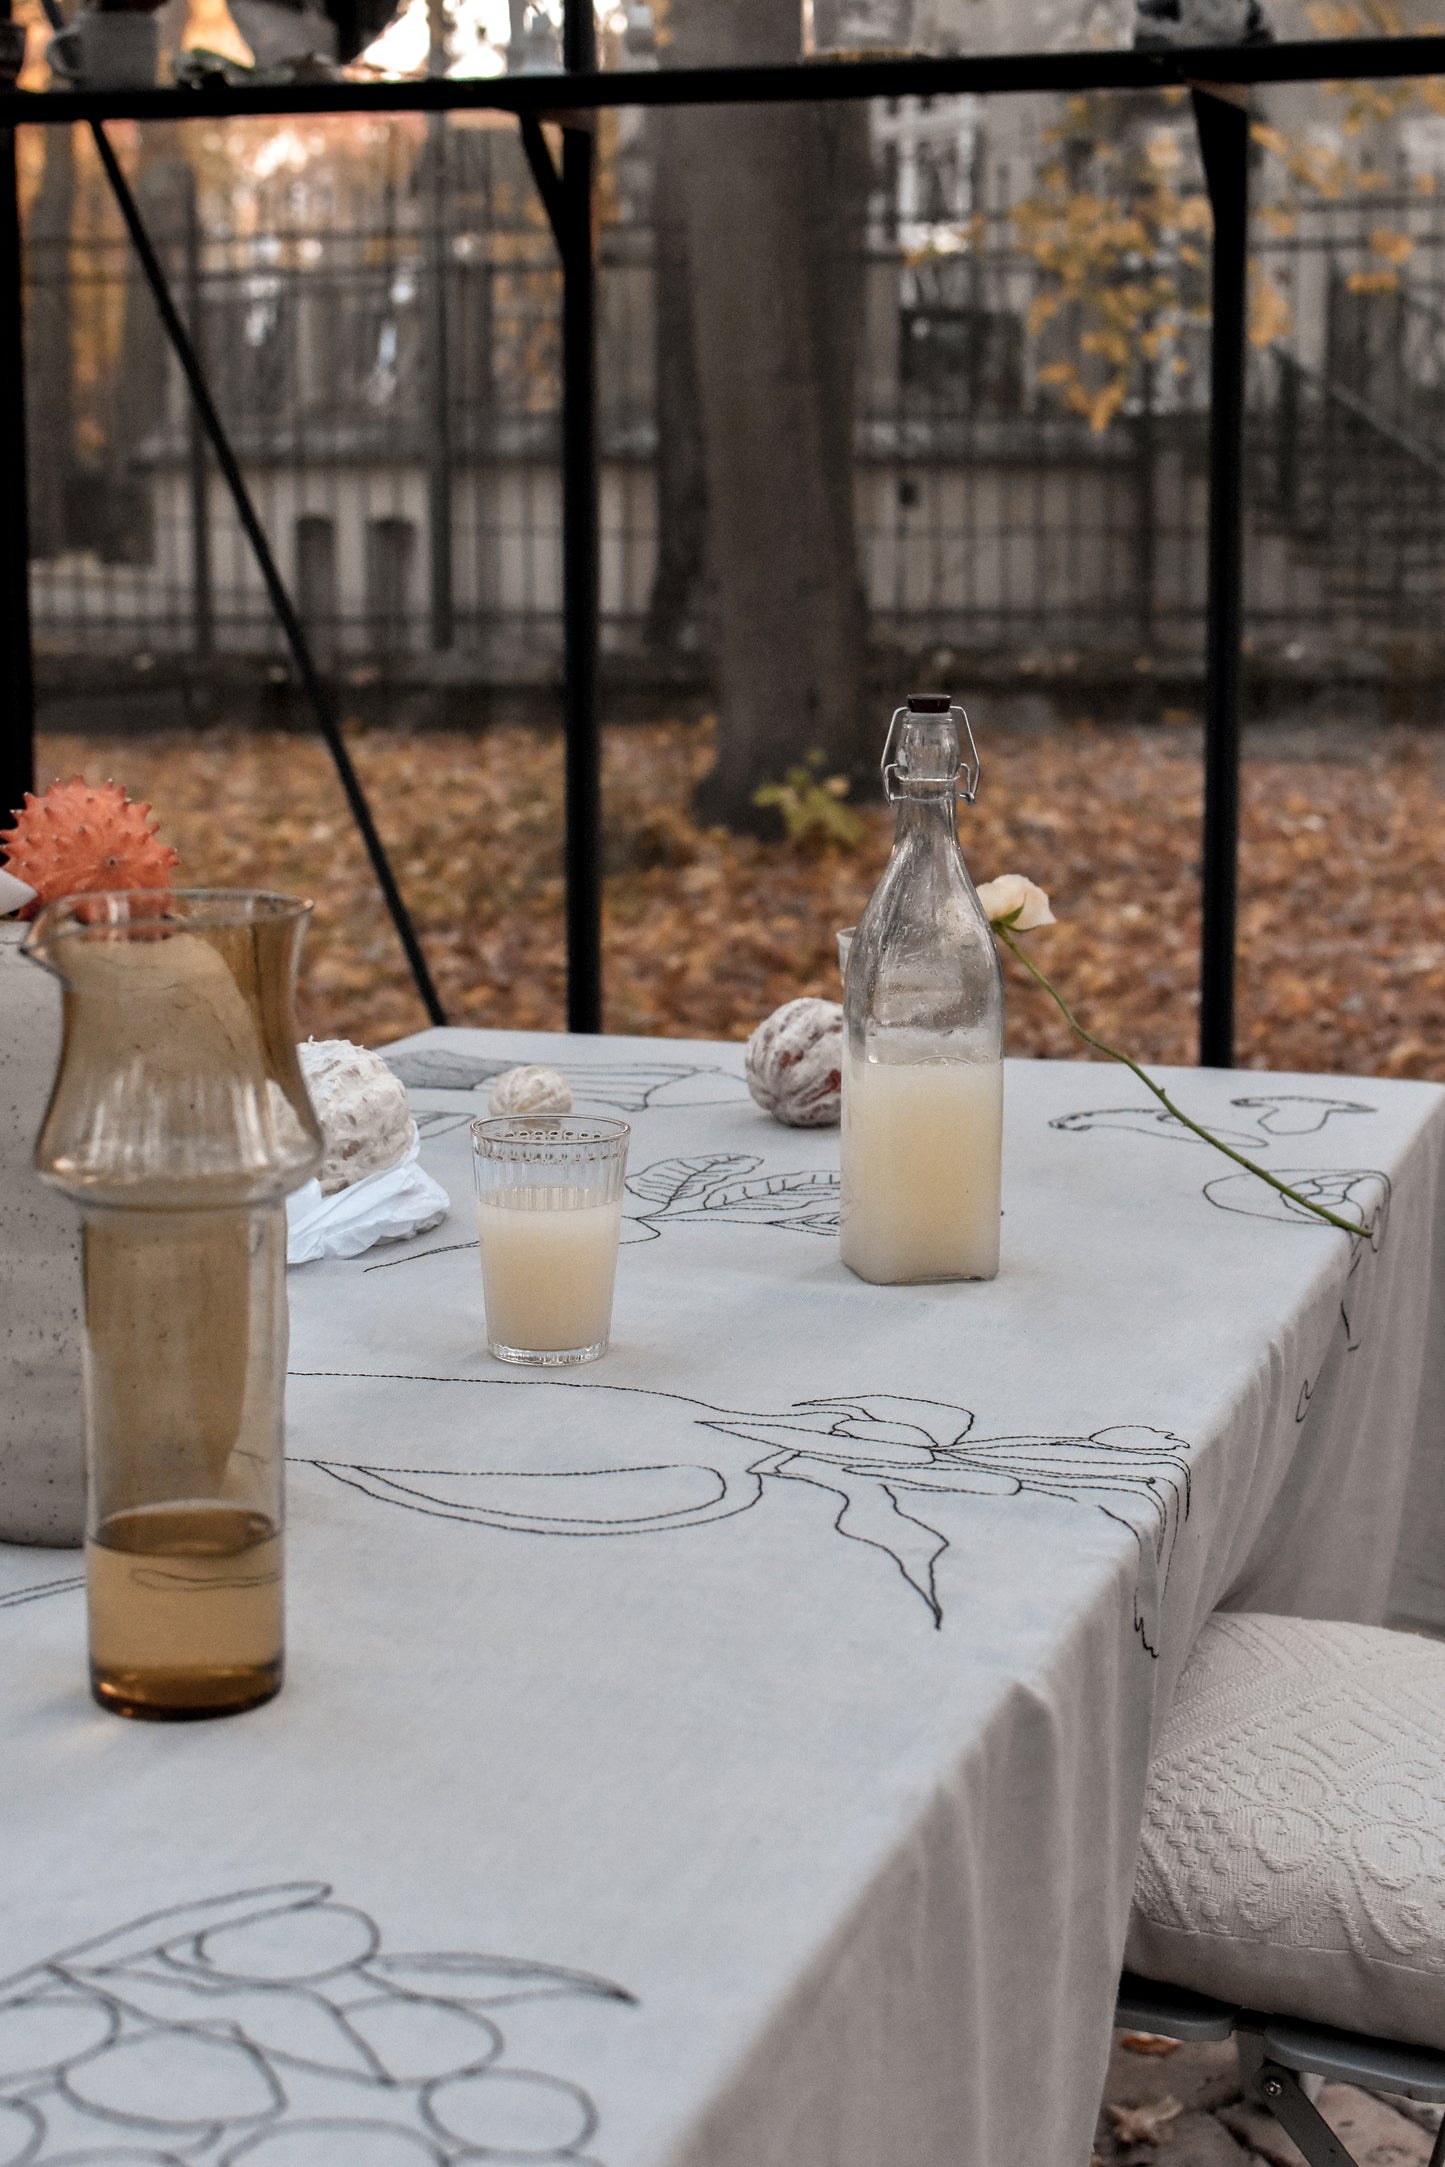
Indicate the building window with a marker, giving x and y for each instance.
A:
(316, 573)
(390, 551)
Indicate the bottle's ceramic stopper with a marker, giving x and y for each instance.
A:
(918, 706)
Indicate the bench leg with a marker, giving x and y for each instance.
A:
(1279, 2092)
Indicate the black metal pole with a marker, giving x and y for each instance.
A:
(1310, 60)
(1224, 143)
(17, 690)
(316, 692)
(198, 473)
(581, 546)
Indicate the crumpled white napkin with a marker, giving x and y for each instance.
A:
(384, 1207)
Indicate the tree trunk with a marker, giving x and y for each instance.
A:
(675, 614)
(772, 199)
(161, 180)
(49, 354)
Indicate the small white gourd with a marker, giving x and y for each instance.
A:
(794, 1064)
(363, 1110)
(531, 1090)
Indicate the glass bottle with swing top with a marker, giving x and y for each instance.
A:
(923, 1026)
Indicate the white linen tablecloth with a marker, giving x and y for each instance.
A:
(731, 1754)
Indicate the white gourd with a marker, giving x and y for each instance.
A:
(794, 1064)
(363, 1110)
(531, 1090)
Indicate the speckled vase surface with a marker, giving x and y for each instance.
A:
(42, 1424)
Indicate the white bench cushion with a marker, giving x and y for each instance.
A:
(1293, 1854)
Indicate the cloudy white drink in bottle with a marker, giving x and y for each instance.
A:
(923, 1010)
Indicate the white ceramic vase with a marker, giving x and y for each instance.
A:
(42, 1423)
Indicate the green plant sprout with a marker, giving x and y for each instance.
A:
(812, 805)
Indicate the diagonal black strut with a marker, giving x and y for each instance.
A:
(546, 176)
(316, 692)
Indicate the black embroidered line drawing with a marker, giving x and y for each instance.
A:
(889, 1463)
(619, 1087)
(1347, 1294)
(721, 1188)
(1147, 1121)
(34, 1591)
(389, 1264)
(431, 1123)
(1361, 1192)
(1352, 1287)
(1298, 1114)
(269, 2027)
(1282, 1114)
(727, 1188)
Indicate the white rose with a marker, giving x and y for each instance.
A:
(1013, 901)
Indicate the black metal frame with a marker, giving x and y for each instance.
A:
(1218, 78)
(1275, 2052)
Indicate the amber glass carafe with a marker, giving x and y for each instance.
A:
(178, 1124)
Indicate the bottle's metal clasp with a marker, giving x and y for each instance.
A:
(968, 772)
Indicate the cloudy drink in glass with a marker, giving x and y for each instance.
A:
(549, 1216)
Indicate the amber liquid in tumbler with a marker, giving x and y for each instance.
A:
(185, 1610)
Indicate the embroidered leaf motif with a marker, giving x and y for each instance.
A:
(672, 1181)
(489, 1982)
(885, 1447)
(898, 1462)
(776, 1194)
(872, 1514)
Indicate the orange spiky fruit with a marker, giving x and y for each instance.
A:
(78, 837)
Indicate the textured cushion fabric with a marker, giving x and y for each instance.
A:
(1293, 1854)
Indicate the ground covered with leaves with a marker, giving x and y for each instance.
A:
(1342, 954)
(1182, 2107)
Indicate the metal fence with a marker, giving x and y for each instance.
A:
(579, 96)
(391, 379)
